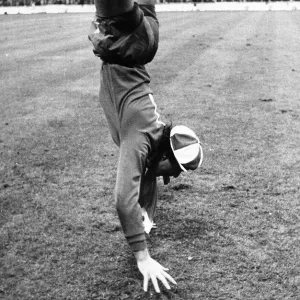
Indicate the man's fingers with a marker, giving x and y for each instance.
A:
(168, 277)
(146, 279)
(151, 269)
(162, 278)
(155, 284)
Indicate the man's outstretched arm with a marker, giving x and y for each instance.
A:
(131, 162)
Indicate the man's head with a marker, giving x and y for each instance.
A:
(185, 153)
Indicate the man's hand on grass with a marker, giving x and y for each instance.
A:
(151, 269)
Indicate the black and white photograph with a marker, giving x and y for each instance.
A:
(149, 149)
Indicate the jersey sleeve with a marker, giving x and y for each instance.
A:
(140, 134)
(131, 166)
(135, 188)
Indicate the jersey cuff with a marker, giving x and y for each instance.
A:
(137, 242)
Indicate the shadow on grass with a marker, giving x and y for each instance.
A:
(182, 228)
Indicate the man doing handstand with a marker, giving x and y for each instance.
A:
(125, 36)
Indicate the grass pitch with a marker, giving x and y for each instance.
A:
(228, 231)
